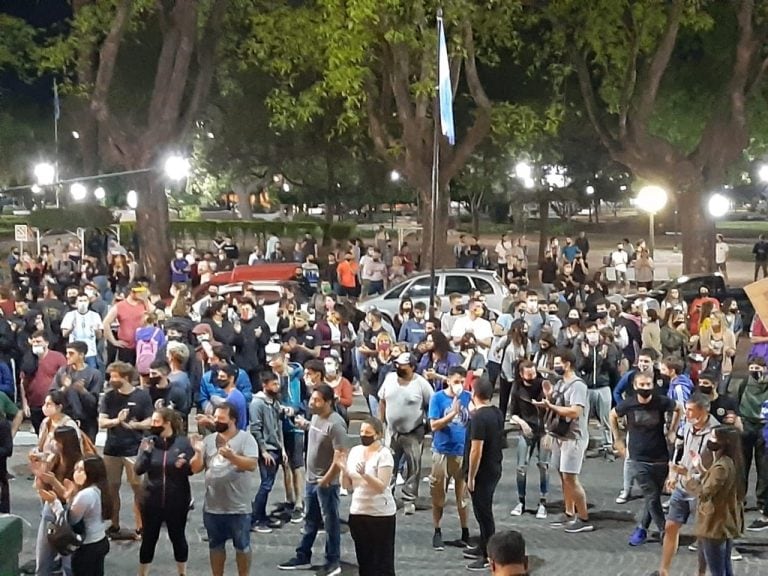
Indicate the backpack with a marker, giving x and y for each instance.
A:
(146, 352)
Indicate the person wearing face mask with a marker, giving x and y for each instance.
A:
(690, 444)
(718, 345)
(166, 395)
(544, 356)
(372, 512)
(752, 396)
(35, 384)
(84, 325)
(128, 314)
(225, 377)
(720, 499)
(252, 335)
(599, 367)
(674, 335)
(229, 458)
(475, 324)
(164, 461)
(342, 388)
(180, 268)
(404, 399)
(266, 414)
(645, 415)
(125, 412)
(449, 417)
(723, 407)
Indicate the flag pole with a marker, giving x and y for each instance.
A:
(435, 178)
(56, 115)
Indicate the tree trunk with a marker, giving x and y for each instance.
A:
(243, 193)
(475, 218)
(543, 227)
(597, 211)
(697, 230)
(442, 249)
(151, 224)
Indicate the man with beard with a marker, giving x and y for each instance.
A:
(325, 460)
(251, 338)
(225, 377)
(301, 342)
(84, 325)
(82, 385)
(125, 413)
(164, 394)
(404, 399)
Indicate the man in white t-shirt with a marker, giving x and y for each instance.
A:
(85, 325)
(721, 256)
(619, 261)
(474, 323)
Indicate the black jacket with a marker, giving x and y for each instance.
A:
(251, 349)
(165, 484)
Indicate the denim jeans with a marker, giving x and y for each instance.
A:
(45, 555)
(267, 472)
(650, 477)
(717, 554)
(600, 401)
(524, 449)
(409, 447)
(321, 508)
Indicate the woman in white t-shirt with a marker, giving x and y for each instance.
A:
(372, 511)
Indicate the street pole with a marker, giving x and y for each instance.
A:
(651, 234)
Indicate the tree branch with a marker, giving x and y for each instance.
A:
(165, 62)
(476, 89)
(185, 19)
(630, 77)
(590, 100)
(108, 60)
(476, 134)
(658, 65)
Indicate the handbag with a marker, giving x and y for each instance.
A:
(62, 536)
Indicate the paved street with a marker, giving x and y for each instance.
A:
(603, 552)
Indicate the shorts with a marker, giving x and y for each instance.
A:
(115, 466)
(568, 455)
(223, 527)
(681, 507)
(444, 468)
(294, 449)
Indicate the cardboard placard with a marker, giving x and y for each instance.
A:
(757, 292)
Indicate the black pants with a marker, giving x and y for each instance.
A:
(494, 369)
(754, 448)
(175, 521)
(761, 266)
(88, 560)
(374, 538)
(5, 489)
(482, 504)
(505, 388)
(36, 416)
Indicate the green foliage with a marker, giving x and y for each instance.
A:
(17, 41)
(81, 216)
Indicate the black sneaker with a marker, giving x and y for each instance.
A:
(758, 525)
(479, 565)
(473, 553)
(437, 541)
(297, 516)
(295, 564)
(330, 570)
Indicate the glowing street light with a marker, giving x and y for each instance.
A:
(524, 172)
(651, 199)
(718, 205)
(528, 183)
(394, 176)
(100, 193)
(132, 199)
(286, 187)
(75, 134)
(177, 167)
(590, 190)
(762, 172)
(45, 173)
(36, 189)
(78, 192)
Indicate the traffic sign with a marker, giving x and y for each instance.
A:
(21, 232)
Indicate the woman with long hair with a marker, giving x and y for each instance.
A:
(404, 314)
(164, 459)
(57, 468)
(720, 504)
(89, 503)
(674, 334)
(651, 333)
(437, 360)
(119, 274)
(368, 473)
(674, 300)
(718, 345)
(53, 411)
(516, 347)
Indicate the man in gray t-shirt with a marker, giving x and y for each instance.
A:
(325, 460)
(229, 458)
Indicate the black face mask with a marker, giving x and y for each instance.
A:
(602, 315)
(72, 301)
(221, 427)
(156, 430)
(559, 370)
(756, 374)
(713, 446)
(706, 390)
(222, 383)
(402, 372)
(644, 393)
(174, 338)
(367, 440)
(154, 380)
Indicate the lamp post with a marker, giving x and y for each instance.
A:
(651, 199)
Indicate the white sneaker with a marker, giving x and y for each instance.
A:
(622, 498)
(343, 492)
(541, 511)
(409, 508)
(452, 484)
(693, 547)
(518, 510)
(735, 555)
(400, 480)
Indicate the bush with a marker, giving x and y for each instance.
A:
(62, 219)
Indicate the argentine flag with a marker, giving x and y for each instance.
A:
(444, 87)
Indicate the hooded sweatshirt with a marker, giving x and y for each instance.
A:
(680, 388)
(689, 441)
(266, 425)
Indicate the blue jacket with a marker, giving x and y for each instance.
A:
(209, 388)
(412, 332)
(293, 394)
(6, 381)
(680, 388)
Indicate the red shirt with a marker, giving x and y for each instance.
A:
(129, 317)
(37, 387)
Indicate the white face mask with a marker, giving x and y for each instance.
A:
(38, 350)
(457, 389)
(89, 293)
(82, 308)
(330, 369)
(593, 338)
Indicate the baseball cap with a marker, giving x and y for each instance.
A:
(403, 359)
(303, 314)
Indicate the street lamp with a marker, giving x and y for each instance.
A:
(45, 173)
(718, 205)
(524, 172)
(78, 191)
(132, 199)
(762, 172)
(651, 199)
(177, 167)
(36, 189)
(590, 190)
(394, 176)
(100, 193)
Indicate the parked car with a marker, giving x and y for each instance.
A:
(449, 281)
(689, 285)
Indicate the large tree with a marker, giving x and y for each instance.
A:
(145, 69)
(668, 88)
(378, 61)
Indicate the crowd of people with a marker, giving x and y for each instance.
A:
(217, 391)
